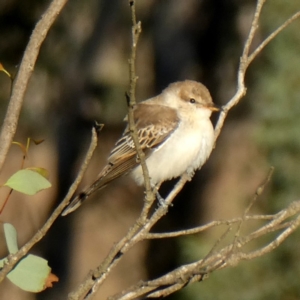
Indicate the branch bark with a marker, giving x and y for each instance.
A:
(13, 259)
(32, 50)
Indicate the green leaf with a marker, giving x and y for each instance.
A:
(11, 238)
(30, 274)
(41, 171)
(27, 182)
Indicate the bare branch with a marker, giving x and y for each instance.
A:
(241, 88)
(223, 258)
(247, 59)
(21, 81)
(272, 36)
(135, 32)
(258, 192)
(135, 234)
(13, 259)
(207, 226)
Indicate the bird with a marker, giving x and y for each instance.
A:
(174, 131)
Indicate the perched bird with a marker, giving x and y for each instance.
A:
(174, 131)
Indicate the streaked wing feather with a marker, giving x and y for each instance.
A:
(120, 167)
(154, 126)
(155, 123)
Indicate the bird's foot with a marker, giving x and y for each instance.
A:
(160, 199)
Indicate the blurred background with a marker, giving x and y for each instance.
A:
(82, 75)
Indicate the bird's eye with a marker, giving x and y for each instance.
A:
(192, 100)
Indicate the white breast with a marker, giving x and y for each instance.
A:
(186, 149)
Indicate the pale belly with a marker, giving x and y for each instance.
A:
(186, 150)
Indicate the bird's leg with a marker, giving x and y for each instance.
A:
(160, 199)
(190, 173)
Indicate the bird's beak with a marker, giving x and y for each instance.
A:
(214, 107)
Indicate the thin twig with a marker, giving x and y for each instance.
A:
(207, 226)
(241, 88)
(272, 36)
(13, 259)
(247, 59)
(258, 192)
(135, 32)
(224, 258)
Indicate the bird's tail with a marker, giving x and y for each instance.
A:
(78, 200)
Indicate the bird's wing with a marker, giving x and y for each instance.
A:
(155, 123)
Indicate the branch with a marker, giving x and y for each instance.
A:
(14, 258)
(247, 59)
(136, 233)
(135, 32)
(141, 229)
(207, 226)
(220, 259)
(25, 71)
(272, 36)
(241, 88)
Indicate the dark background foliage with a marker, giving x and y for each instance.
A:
(82, 75)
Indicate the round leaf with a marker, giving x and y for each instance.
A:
(27, 182)
(30, 274)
